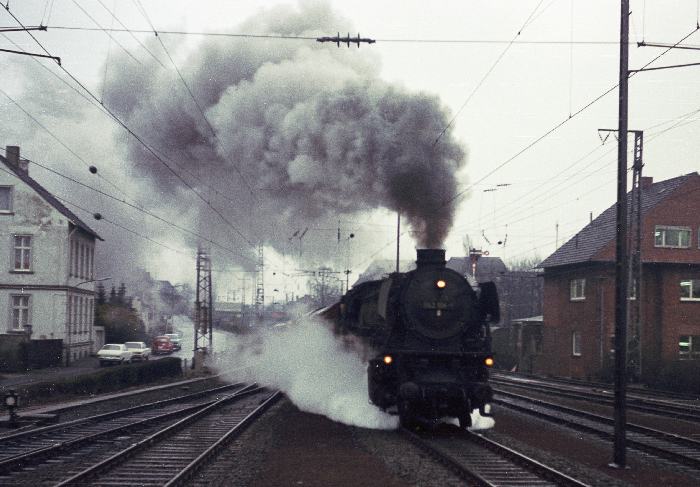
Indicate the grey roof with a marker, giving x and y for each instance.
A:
(51, 199)
(584, 246)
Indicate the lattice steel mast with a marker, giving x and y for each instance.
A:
(203, 304)
(259, 287)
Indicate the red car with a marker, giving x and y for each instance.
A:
(162, 344)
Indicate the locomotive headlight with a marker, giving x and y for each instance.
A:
(388, 359)
(488, 361)
(441, 284)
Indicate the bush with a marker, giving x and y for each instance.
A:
(104, 380)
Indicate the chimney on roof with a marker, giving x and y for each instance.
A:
(646, 182)
(12, 153)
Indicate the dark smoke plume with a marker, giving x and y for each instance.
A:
(312, 128)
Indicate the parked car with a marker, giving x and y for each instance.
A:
(175, 338)
(161, 344)
(139, 350)
(114, 353)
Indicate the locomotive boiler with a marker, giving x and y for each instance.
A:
(429, 333)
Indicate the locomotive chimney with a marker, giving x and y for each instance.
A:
(430, 257)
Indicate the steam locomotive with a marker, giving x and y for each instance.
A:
(429, 331)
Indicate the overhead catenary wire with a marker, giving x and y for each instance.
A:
(131, 33)
(189, 91)
(101, 108)
(308, 38)
(136, 136)
(141, 210)
(65, 201)
(561, 124)
(485, 76)
(107, 32)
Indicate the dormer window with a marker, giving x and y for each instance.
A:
(5, 199)
(672, 237)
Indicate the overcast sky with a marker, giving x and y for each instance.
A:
(500, 97)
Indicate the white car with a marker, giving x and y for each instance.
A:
(139, 350)
(114, 353)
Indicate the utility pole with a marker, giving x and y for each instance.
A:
(636, 254)
(398, 238)
(621, 266)
(259, 287)
(203, 306)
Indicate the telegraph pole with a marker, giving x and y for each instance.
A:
(398, 238)
(621, 266)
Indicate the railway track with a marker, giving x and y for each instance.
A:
(676, 448)
(656, 406)
(42, 454)
(579, 383)
(486, 463)
(173, 455)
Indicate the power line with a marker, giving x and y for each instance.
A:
(308, 38)
(106, 32)
(189, 91)
(486, 75)
(560, 124)
(142, 210)
(138, 138)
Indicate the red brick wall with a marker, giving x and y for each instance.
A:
(664, 316)
(591, 316)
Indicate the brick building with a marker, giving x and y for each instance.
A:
(579, 287)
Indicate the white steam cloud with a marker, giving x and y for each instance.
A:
(312, 367)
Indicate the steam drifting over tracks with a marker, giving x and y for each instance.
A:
(484, 462)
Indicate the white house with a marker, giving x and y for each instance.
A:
(47, 287)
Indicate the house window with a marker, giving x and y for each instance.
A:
(689, 347)
(23, 252)
(576, 344)
(674, 237)
(577, 288)
(20, 311)
(690, 290)
(5, 199)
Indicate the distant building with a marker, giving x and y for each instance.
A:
(47, 290)
(579, 287)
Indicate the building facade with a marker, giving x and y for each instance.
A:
(664, 304)
(47, 266)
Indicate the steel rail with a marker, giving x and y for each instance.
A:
(35, 455)
(115, 460)
(190, 470)
(691, 445)
(676, 411)
(507, 468)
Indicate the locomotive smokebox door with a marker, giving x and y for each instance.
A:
(488, 302)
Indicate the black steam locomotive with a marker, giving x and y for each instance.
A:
(430, 330)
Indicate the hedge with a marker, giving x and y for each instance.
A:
(103, 380)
